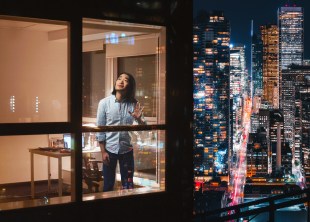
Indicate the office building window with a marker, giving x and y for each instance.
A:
(34, 71)
(35, 166)
(41, 140)
(109, 50)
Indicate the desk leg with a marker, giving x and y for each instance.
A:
(59, 176)
(32, 175)
(48, 174)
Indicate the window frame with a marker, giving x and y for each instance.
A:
(74, 125)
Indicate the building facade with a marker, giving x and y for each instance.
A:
(291, 36)
(270, 39)
(28, 131)
(211, 93)
(291, 51)
(238, 85)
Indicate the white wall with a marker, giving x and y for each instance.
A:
(30, 66)
(15, 159)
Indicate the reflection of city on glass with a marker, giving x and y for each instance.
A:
(148, 151)
(123, 84)
(143, 69)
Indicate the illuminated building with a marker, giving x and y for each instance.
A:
(291, 36)
(270, 38)
(281, 152)
(257, 78)
(211, 38)
(302, 123)
(257, 154)
(296, 104)
(238, 83)
(50, 78)
(291, 51)
(257, 65)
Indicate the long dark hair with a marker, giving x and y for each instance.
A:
(131, 91)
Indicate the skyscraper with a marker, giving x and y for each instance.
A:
(295, 85)
(291, 35)
(302, 123)
(211, 38)
(238, 83)
(291, 51)
(270, 38)
(257, 78)
(257, 65)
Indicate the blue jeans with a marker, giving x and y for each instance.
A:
(126, 165)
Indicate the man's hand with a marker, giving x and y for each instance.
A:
(105, 158)
(104, 153)
(137, 112)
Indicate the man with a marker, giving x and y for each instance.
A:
(120, 108)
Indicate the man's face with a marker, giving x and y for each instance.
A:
(122, 82)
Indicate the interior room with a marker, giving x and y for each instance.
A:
(35, 88)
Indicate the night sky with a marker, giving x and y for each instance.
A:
(241, 12)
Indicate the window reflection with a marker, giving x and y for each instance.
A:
(110, 48)
(149, 162)
(143, 68)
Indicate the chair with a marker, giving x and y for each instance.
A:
(92, 175)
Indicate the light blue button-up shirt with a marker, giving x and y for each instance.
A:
(110, 113)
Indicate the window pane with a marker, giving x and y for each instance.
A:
(148, 162)
(34, 70)
(112, 48)
(123, 64)
(144, 70)
(25, 165)
(93, 81)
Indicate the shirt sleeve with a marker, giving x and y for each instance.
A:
(101, 120)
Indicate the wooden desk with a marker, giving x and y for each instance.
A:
(56, 154)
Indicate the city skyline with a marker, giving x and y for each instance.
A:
(241, 12)
(263, 140)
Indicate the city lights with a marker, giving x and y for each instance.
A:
(254, 140)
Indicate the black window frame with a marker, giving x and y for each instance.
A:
(177, 197)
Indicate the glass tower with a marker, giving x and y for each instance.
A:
(291, 36)
(270, 38)
(238, 83)
(291, 51)
(295, 109)
(257, 78)
(211, 38)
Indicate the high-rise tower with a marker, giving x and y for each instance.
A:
(257, 65)
(295, 109)
(291, 51)
(211, 38)
(257, 78)
(238, 86)
(291, 35)
(270, 38)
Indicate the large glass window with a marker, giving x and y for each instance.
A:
(143, 68)
(38, 167)
(34, 88)
(34, 71)
(148, 171)
(111, 49)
